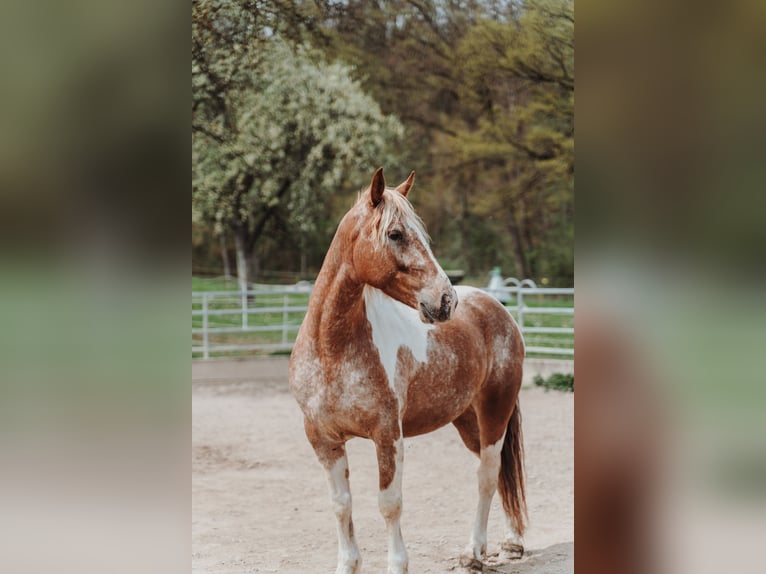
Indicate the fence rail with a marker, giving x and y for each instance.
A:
(255, 320)
(268, 319)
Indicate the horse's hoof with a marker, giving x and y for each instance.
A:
(514, 551)
(471, 563)
(350, 567)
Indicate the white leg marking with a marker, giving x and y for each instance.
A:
(349, 560)
(512, 537)
(488, 473)
(390, 502)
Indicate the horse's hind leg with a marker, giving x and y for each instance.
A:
(489, 422)
(513, 543)
(333, 458)
(468, 428)
(488, 472)
(467, 425)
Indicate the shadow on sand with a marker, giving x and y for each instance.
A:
(555, 559)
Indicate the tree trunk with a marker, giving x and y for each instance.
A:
(239, 243)
(515, 229)
(304, 272)
(255, 265)
(225, 257)
(519, 260)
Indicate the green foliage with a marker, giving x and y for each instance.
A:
(518, 85)
(484, 93)
(297, 133)
(557, 381)
(275, 129)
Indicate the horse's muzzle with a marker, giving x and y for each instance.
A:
(442, 312)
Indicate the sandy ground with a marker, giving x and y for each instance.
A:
(260, 500)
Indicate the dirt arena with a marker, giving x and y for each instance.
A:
(260, 501)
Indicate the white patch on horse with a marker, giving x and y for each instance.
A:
(501, 347)
(430, 254)
(413, 258)
(356, 394)
(512, 537)
(307, 373)
(489, 470)
(349, 558)
(395, 325)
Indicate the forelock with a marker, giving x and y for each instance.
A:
(395, 207)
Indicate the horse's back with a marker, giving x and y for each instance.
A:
(486, 318)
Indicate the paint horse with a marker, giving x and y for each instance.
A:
(384, 353)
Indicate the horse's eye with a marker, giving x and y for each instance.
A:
(395, 235)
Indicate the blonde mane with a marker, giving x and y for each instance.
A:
(394, 207)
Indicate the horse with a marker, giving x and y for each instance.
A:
(385, 353)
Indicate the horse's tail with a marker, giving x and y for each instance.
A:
(511, 483)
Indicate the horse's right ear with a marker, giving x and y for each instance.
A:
(377, 187)
(404, 187)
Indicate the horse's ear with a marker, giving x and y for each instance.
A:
(404, 187)
(377, 187)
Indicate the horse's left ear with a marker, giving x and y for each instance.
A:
(377, 187)
(404, 187)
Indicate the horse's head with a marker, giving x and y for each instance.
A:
(391, 252)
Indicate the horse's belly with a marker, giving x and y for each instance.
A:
(435, 401)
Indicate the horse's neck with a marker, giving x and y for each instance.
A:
(337, 306)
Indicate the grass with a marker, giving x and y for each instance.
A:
(257, 318)
(557, 382)
(214, 284)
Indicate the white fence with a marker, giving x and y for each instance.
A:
(264, 319)
(268, 318)
(536, 320)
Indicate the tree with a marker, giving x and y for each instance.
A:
(486, 93)
(275, 132)
(517, 89)
(484, 90)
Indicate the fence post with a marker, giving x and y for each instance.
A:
(285, 298)
(244, 309)
(205, 345)
(520, 303)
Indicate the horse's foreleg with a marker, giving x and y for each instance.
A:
(390, 461)
(349, 560)
(488, 472)
(333, 458)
